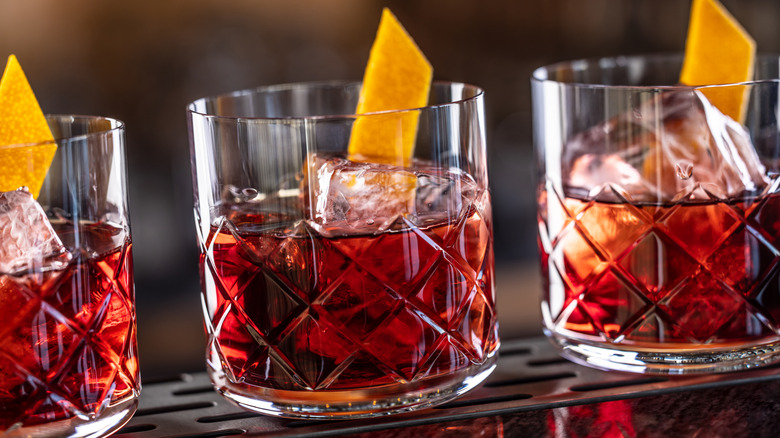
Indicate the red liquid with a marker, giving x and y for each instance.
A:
(291, 309)
(664, 276)
(67, 339)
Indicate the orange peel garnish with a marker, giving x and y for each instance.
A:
(397, 77)
(718, 51)
(22, 122)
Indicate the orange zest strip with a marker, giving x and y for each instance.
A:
(22, 122)
(718, 51)
(397, 77)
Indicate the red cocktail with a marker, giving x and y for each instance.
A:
(336, 286)
(658, 227)
(668, 276)
(67, 344)
(358, 308)
(68, 362)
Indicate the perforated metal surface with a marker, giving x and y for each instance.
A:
(529, 376)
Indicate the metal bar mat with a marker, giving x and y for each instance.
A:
(529, 376)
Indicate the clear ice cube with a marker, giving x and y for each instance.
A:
(678, 145)
(26, 236)
(348, 196)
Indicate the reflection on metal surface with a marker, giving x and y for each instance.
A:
(530, 376)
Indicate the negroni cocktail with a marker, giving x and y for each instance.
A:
(68, 364)
(335, 284)
(362, 304)
(658, 225)
(67, 344)
(666, 276)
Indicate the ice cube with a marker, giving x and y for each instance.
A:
(358, 195)
(593, 170)
(348, 197)
(676, 145)
(26, 236)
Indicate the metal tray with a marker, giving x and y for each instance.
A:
(529, 376)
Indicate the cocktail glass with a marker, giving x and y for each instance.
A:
(68, 363)
(334, 287)
(659, 223)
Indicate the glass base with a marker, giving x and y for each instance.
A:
(666, 361)
(354, 403)
(109, 421)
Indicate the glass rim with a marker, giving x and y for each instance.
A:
(117, 125)
(541, 75)
(479, 93)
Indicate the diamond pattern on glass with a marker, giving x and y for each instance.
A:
(69, 348)
(90, 380)
(359, 303)
(577, 258)
(336, 313)
(444, 293)
(315, 349)
(296, 259)
(710, 266)
(611, 231)
(742, 261)
(701, 238)
(236, 342)
(765, 217)
(613, 304)
(269, 310)
(51, 407)
(746, 321)
(404, 342)
(655, 265)
(474, 326)
(361, 370)
(562, 293)
(16, 396)
(472, 241)
(448, 355)
(40, 344)
(701, 307)
(114, 322)
(71, 292)
(390, 265)
(654, 327)
(766, 298)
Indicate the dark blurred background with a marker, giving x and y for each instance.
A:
(142, 61)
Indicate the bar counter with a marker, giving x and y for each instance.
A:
(532, 393)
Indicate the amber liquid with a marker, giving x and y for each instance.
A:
(67, 339)
(673, 276)
(292, 309)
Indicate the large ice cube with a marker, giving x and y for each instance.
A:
(26, 236)
(358, 194)
(348, 196)
(673, 146)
